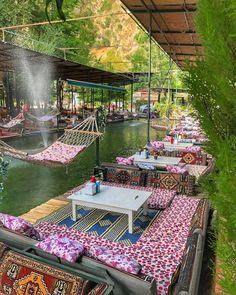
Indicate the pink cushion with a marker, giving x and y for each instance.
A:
(161, 198)
(157, 145)
(58, 152)
(193, 149)
(119, 261)
(125, 161)
(62, 247)
(176, 169)
(19, 225)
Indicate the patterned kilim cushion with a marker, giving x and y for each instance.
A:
(188, 157)
(99, 289)
(20, 275)
(187, 265)
(199, 218)
(125, 176)
(181, 183)
(3, 249)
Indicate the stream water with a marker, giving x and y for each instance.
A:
(27, 185)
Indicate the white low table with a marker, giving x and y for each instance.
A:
(159, 162)
(114, 199)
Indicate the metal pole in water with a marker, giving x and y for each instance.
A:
(149, 77)
(97, 144)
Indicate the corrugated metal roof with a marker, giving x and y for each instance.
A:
(172, 26)
(12, 57)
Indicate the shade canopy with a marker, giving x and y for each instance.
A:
(95, 85)
(16, 58)
(172, 26)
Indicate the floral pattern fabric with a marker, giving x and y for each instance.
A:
(160, 249)
(58, 152)
(12, 123)
(119, 261)
(176, 169)
(193, 149)
(125, 161)
(160, 198)
(157, 145)
(19, 225)
(62, 247)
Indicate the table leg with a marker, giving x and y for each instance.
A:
(145, 208)
(74, 211)
(130, 217)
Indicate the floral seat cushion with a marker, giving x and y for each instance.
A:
(176, 169)
(19, 225)
(161, 198)
(64, 248)
(125, 161)
(58, 152)
(120, 261)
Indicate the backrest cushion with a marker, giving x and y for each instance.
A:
(188, 156)
(125, 175)
(119, 261)
(181, 183)
(200, 218)
(64, 248)
(19, 225)
(20, 273)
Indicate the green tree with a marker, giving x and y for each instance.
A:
(212, 83)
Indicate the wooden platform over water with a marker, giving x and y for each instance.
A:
(44, 210)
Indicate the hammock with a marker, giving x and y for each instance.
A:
(45, 118)
(14, 122)
(64, 150)
(161, 124)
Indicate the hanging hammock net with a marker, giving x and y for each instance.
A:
(161, 124)
(45, 118)
(14, 122)
(64, 150)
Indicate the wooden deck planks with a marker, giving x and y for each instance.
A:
(44, 210)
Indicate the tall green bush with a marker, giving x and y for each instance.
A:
(212, 83)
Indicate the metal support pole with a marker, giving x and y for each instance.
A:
(109, 101)
(97, 146)
(149, 77)
(131, 97)
(58, 102)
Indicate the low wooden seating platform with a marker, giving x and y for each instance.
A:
(169, 252)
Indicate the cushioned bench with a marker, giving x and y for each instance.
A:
(159, 250)
(181, 183)
(187, 157)
(191, 266)
(130, 175)
(123, 281)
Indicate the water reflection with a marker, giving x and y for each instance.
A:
(30, 185)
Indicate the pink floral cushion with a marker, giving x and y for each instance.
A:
(119, 261)
(157, 145)
(62, 247)
(58, 152)
(176, 169)
(19, 225)
(161, 198)
(125, 161)
(193, 149)
(167, 138)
